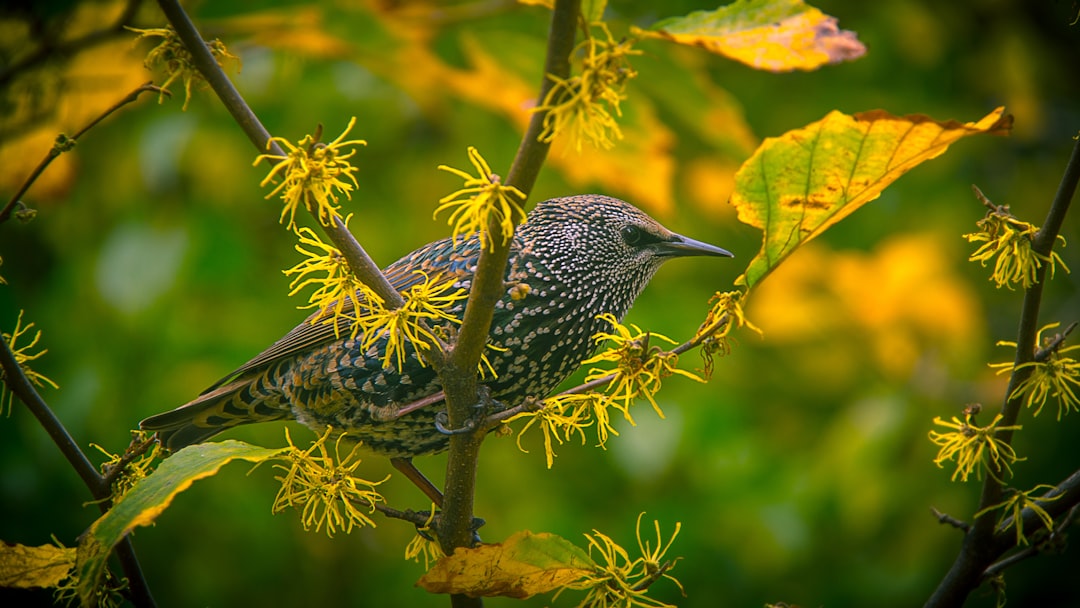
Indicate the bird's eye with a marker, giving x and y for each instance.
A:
(631, 235)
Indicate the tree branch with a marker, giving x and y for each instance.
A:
(359, 261)
(459, 375)
(980, 547)
(21, 387)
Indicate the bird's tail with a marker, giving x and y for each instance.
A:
(247, 399)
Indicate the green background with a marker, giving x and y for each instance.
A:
(800, 473)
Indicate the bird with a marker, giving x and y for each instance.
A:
(577, 258)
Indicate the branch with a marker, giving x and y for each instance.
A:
(21, 387)
(64, 144)
(459, 376)
(359, 261)
(980, 547)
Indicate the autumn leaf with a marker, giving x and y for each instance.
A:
(524, 565)
(773, 35)
(797, 185)
(23, 567)
(150, 497)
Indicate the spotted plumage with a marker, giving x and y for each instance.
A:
(573, 259)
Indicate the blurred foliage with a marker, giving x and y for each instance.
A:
(801, 473)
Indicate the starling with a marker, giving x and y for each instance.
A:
(573, 259)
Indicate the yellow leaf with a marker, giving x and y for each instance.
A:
(773, 35)
(797, 185)
(150, 496)
(23, 567)
(524, 565)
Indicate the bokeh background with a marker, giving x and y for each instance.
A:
(801, 473)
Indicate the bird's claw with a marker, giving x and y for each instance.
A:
(484, 405)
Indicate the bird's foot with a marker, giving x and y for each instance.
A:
(432, 524)
(483, 406)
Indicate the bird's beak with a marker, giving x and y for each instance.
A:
(681, 246)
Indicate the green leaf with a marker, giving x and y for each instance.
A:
(797, 185)
(150, 497)
(23, 567)
(593, 10)
(773, 35)
(524, 565)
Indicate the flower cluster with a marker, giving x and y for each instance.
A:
(581, 106)
(559, 418)
(171, 55)
(973, 447)
(312, 172)
(638, 372)
(1053, 376)
(1007, 240)
(726, 314)
(1012, 510)
(621, 581)
(127, 469)
(425, 301)
(23, 357)
(324, 487)
(639, 368)
(328, 270)
(481, 200)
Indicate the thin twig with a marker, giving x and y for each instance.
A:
(1057, 534)
(64, 144)
(945, 518)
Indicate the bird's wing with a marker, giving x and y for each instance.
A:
(437, 260)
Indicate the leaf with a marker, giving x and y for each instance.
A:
(797, 185)
(773, 35)
(152, 495)
(23, 567)
(524, 565)
(593, 10)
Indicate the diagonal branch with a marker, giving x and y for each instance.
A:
(359, 261)
(21, 387)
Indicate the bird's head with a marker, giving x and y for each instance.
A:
(598, 243)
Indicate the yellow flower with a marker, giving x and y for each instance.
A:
(1009, 241)
(135, 468)
(423, 544)
(581, 106)
(486, 199)
(1015, 505)
(311, 172)
(973, 447)
(171, 55)
(23, 356)
(639, 367)
(337, 284)
(1051, 377)
(619, 580)
(726, 313)
(426, 301)
(558, 417)
(324, 486)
